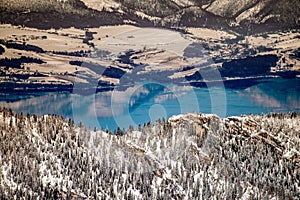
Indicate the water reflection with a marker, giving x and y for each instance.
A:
(280, 95)
(145, 102)
(43, 103)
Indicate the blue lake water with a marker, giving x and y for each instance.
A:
(150, 101)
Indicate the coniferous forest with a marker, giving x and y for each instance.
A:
(191, 156)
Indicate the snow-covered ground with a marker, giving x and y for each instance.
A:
(81, 56)
(108, 5)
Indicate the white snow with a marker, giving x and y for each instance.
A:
(291, 153)
(247, 194)
(108, 5)
(198, 175)
(143, 15)
(183, 3)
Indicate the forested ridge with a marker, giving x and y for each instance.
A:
(191, 156)
(243, 16)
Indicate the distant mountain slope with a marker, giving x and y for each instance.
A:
(245, 16)
(271, 13)
(192, 156)
(258, 11)
(54, 14)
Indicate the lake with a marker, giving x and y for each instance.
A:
(150, 100)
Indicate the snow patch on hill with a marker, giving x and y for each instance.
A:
(108, 5)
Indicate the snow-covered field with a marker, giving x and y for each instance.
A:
(77, 55)
(102, 4)
(205, 33)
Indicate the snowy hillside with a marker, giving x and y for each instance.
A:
(245, 16)
(192, 156)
